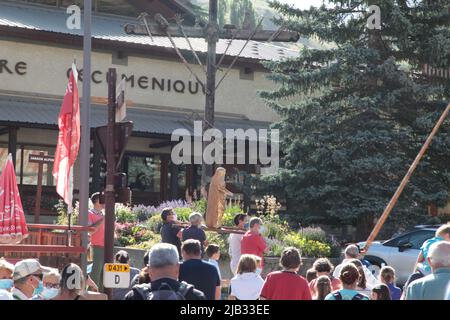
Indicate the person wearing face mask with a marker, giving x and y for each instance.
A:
(253, 241)
(247, 283)
(27, 278)
(50, 286)
(6, 282)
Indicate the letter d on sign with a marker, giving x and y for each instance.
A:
(74, 21)
(116, 279)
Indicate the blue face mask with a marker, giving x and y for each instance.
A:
(247, 225)
(258, 271)
(49, 293)
(39, 289)
(6, 284)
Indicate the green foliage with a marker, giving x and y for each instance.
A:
(275, 228)
(124, 214)
(154, 223)
(353, 117)
(308, 248)
(242, 14)
(229, 214)
(199, 206)
(63, 219)
(148, 244)
(183, 213)
(311, 233)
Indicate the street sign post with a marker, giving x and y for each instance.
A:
(116, 275)
(41, 159)
(121, 108)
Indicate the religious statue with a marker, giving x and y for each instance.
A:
(216, 199)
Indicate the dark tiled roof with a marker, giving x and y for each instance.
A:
(42, 18)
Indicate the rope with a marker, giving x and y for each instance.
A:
(238, 55)
(180, 26)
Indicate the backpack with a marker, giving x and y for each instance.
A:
(164, 292)
(337, 295)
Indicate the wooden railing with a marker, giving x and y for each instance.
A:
(42, 241)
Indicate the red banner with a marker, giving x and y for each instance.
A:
(68, 139)
(13, 227)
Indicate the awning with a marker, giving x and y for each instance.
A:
(44, 112)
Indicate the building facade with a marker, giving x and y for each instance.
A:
(36, 53)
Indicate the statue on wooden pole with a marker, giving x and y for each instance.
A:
(216, 199)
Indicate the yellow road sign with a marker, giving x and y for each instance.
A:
(117, 267)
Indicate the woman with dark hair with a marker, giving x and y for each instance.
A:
(234, 241)
(322, 287)
(362, 286)
(381, 292)
(349, 276)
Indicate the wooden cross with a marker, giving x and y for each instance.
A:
(212, 34)
(41, 159)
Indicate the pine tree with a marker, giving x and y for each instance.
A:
(353, 117)
(238, 11)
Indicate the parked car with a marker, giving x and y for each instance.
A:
(399, 252)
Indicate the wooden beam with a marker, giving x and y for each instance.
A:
(59, 227)
(41, 248)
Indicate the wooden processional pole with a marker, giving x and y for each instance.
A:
(405, 180)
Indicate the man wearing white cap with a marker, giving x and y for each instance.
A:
(6, 282)
(27, 278)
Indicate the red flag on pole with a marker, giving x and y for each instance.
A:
(68, 139)
(13, 227)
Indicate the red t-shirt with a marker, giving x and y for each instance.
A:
(98, 237)
(284, 285)
(253, 243)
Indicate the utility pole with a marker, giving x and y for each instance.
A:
(212, 36)
(212, 33)
(85, 142)
(110, 171)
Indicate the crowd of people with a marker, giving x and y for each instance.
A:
(184, 266)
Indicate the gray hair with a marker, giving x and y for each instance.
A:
(255, 220)
(163, 255)
(195, 218)
(440, 254)
(352, 251)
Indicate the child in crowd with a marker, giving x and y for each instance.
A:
(387, 277)
(381, 292)
(311, 274)
(322, 287)
(213, 255)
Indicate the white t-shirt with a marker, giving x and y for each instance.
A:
(370, 278)
(234, 250)
(246, 286)
(5, 295)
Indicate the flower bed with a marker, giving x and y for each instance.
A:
(139, 227)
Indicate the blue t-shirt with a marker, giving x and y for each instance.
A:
(346, 294)
(424, 266)
(202, 275)
(396, 292)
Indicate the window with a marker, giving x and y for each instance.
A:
(416, 238)
(144, 172)
(27, 172)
